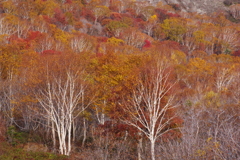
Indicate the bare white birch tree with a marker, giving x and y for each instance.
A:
(149, 105)
(82, 43)
(224, 77)
(63, 101)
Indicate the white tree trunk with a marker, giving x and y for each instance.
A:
(152, 149)
(149, 104)
(60, 101)
(84, 132)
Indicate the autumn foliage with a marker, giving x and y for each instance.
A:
(121, 79)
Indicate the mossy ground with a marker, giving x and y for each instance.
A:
(9, 152)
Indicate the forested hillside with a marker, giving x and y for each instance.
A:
(120, 79)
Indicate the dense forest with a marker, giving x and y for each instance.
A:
(119, 80)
